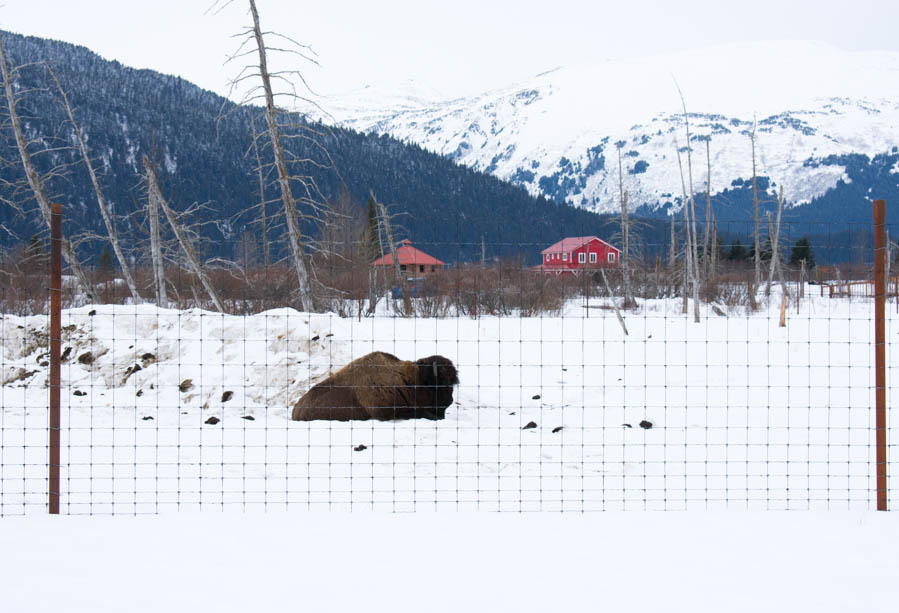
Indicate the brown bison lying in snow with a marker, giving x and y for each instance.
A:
(382, 386)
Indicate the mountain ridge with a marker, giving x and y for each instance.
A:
(557, 133)
(202, 157)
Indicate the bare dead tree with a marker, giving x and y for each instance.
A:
(708, 203)
(373, 293)
(629, 301)
(691, 270)
(263, 221)
(101, 201)
(385, 221)
(605, 280)
(254, 38)
(690, 202)
(34, 178)
(192, 260)
(713, 255)
(692, 193)
(672, 249)
(755, 209)
(688, 266)
(775, 239)
(155, 241)
(802, 276)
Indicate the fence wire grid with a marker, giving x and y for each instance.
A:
(568, 398)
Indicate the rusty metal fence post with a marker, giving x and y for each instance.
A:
(53, 487)
(880, 352)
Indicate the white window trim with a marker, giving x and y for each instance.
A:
(564, 257)
(593, 257)
(582, 258)
(611, 257)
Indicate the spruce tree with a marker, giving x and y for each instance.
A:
(104, 262)
(802, 250)
(737, 252)
(371, 246)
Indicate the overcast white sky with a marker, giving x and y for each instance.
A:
(459, 47)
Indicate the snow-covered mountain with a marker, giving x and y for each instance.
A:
(558, 133)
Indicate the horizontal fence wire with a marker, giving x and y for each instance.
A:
(568, 398)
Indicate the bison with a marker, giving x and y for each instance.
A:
(382, 386)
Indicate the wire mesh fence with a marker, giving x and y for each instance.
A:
(580, 387)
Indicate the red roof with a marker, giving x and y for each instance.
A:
(567, 245)
(407, 254)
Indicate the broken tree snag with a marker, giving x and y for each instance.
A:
(186, 247)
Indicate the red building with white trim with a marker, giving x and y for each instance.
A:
(570, 255)
(413, 262)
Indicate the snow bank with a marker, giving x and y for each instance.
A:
(738, 413)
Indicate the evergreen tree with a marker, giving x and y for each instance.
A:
(104, 263)
(371, 244)
(802, 250)
(720, 254)
(764, 252)
(737, 252)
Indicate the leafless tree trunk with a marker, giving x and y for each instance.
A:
(692, 194)
(385, 220)
(192, 260)
(374, 294)
(778, 269)
(755, 208)
(775, 236)
(263, 220)
(801, 280)
(612, 298)
(287, 197)
(156, 245)
(34, 179)
(101, 201)
(691, 221)
(708, 204)
(690, 267)
(629, 301)
(672, 251)
(713, 254)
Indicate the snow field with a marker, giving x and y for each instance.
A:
(743, 414)
(697, 562)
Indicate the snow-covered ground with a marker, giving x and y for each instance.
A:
(740, 562)
(744, 414)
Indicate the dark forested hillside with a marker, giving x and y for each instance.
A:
(202, 147)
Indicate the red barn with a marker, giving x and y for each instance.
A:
(578, 253)
(412, 261)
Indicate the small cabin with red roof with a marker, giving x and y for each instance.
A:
(412, 261)
(578, 253)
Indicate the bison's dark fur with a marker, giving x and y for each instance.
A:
(381, 386)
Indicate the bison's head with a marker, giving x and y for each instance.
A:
(434, 390)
